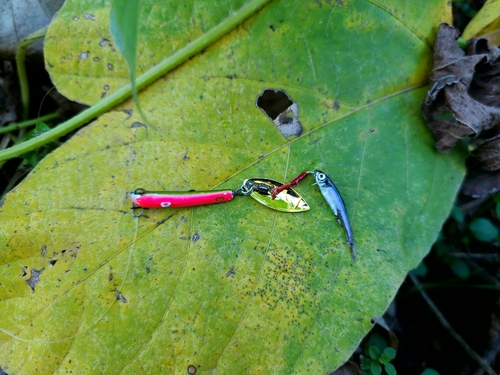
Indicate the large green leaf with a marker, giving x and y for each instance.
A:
(236, 287)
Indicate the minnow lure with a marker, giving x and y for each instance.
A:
(286, 200)
(332, 197)
(334, 200)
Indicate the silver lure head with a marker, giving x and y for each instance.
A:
(320, 177)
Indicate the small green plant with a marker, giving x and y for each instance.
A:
(376, 360)
(33, 157)
(429, 371)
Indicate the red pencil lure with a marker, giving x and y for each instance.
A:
(165, 199)
(261, 189)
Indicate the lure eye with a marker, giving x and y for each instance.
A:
(321, 176)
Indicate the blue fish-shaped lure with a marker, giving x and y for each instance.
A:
(334, 200)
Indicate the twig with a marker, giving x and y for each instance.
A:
(492, 352)
(474, 206)
(490, 257)
(448, 327)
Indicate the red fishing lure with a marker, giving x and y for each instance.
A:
(261, 189)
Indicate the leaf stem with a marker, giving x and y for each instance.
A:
(144, 80)
(21, 67)
(28, 123)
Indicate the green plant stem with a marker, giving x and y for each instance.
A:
(21, 67)
(142, 81)
(462, 43)
(28, 123)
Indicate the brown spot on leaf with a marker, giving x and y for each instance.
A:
(34, 278)
(191, 370)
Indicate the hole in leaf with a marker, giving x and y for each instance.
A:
(191, 370)
(273, 102)
(231, 272)
(281, 110)
(120, 297)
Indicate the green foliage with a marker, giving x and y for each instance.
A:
(483, 229)
(378, 360)
(457, 214)
(421, 269)
(34, 157)
(429, 371)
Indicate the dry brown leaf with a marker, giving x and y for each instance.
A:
(464, 96)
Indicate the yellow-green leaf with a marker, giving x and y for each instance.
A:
(234, 287)
(487, 15)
